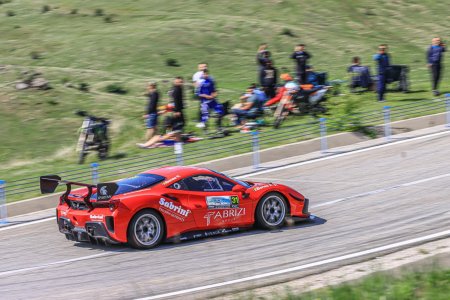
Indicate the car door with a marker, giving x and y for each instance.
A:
(215, 204)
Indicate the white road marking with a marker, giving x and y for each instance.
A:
(12, 272)
(27, 223)
(302, 267)
(341, 155)
(382, 190)
(292, 165)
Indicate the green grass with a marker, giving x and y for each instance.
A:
(38, 130)
(432, 285)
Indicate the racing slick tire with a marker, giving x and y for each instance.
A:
(146, 230)
(271, 211)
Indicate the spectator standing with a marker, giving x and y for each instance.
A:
(262, 55)
(196, 78)
(301, 57)
(383, 62)
(434, 58)
(178, 116)
(207, 94)
(268, 79)
(151, 115)
(199, 74)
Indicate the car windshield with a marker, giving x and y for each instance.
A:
(243, 183)
(136, 183)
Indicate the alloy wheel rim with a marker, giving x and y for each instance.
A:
(274, 210)
(147, 230)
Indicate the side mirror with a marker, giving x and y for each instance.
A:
(239, 189)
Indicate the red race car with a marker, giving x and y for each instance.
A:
(170, 203)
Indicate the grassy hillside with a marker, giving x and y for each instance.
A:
(128, 42)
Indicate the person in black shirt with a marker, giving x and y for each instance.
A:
(301, 57)
(177, 96)
(151, 115)
(268, 79)
(262, 57)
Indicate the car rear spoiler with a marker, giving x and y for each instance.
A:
(106, 191)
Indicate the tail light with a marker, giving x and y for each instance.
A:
(114, 204)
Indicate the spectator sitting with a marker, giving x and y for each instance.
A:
(260, 93)
(311, 76)
(281, 89)
(173, 131)
(360, 74)
(250, 106)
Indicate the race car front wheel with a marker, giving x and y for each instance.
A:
(271, 211)
(146, 230)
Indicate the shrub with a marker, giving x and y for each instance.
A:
(45, 8)
(287, 32)
(116, 88)
(74, 11)
(99, 12)
(172, 62)
(83, 86)
(108, 19)
(10, 13)
(35, 55)
(65, 80)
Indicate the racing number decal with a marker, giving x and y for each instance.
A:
(234, 201)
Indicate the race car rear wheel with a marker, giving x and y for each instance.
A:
(271, 211)
(146, 230)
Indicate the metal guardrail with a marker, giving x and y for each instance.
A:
(245, 143)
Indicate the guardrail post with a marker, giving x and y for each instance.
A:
(447, 102)
(178, 150)
(387, 122)
(323, 136)
(95, 173)
(255, 144)
(3, 212)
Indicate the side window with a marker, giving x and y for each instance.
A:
(207, 183)
(226, 185)
(179, 185)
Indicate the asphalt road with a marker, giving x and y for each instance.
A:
(361, 201)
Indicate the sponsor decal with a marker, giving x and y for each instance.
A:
(173, 210)
(218, 202)
(258, 188)
(96, 217)
(169, 181)
(225, 215)
(105, 191)
(220, 231)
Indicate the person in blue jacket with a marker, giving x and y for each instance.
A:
(434, 59)
(383, 62)
(207, 93)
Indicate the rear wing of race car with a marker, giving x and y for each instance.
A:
(105, 191)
